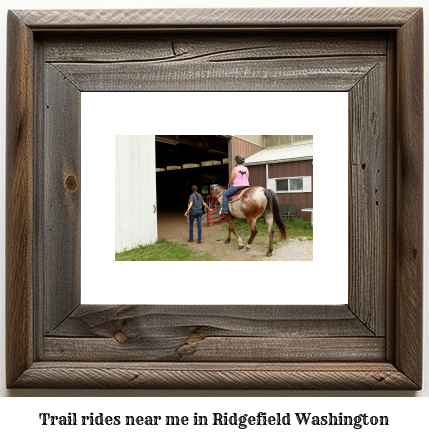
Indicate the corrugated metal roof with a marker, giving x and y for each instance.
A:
(290, 153)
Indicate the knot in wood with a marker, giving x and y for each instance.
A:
(71, 183)
(120, 337)
(193, 338)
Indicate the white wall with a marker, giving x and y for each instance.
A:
(135, 191)
(79, 4)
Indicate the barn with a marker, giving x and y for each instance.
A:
(288, 171)
(186, 160)
(154, 175)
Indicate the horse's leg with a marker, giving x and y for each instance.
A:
(228, 240)
(252, 225)
(269, 221)
(232, 228)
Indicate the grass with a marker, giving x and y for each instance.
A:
(163, 250)
(296, 228)
(299, 228)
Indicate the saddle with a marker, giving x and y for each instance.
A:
(238, 194)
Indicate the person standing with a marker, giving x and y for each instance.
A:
(195, 211)
(239, 177)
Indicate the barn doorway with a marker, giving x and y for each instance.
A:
(183, 161)
(154, 175)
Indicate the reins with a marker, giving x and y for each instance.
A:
(217, 198)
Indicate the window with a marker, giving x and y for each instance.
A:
(290, 184)
(282, 185)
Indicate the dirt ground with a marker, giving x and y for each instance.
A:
(172, 225)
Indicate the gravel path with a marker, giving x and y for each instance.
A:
(293, 249)
(172, 225)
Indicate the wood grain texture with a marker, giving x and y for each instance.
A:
(201, 46)
(61, 186)
(193, 348)
(39, 201)
(186, 346)
(19, 200)
(368, 203)
(391, 192)
(218, 18)
(409, 273)
(215, 376)
(99, 321)
(213, 333)
(324, 74)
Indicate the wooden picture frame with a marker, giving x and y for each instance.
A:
(373, 342)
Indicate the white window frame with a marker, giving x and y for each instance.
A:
(306, 184)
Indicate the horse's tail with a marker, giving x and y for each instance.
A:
(274, 208)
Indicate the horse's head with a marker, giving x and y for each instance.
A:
(216, 191)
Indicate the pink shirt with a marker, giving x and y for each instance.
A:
(241, 177)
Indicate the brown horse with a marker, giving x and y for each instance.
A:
(255, 202)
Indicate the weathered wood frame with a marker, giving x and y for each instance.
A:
(374, 342)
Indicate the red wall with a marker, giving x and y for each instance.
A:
(288, 169)
(257, 175)
(240, 146)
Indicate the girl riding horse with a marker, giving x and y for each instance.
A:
(239, 178)
(254, 202)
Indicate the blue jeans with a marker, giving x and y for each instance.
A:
(198, 215)
(230, 191)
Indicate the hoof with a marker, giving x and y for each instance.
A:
(269, 254)
(248, 248)
(227, 241)
(241, 247)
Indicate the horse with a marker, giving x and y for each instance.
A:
(255, 202)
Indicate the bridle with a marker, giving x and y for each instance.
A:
(217, 198)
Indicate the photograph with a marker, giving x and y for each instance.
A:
(257, 189)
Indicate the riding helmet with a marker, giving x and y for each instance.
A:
(240, 158)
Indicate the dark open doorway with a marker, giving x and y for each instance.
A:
(183, 161)
(186, 160)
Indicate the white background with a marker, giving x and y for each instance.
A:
(408, 420)
(105, 281)
(21, 414)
